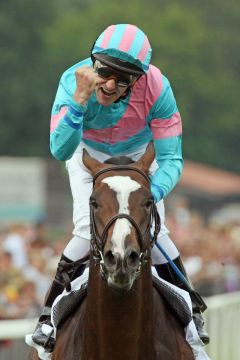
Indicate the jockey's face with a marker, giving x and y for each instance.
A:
(113, 84)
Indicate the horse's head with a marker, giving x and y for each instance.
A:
(122, 209)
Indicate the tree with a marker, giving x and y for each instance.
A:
(24, 102)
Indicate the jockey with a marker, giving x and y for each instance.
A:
(114, 103)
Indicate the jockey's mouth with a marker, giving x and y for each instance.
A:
(108, 93)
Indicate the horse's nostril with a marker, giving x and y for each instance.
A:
(132, 259)
(110, 259)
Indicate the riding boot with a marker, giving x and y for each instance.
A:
(67, 271)
(166, 272)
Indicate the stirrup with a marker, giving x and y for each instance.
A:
(43, 335)
(50, 341)
(199, 324)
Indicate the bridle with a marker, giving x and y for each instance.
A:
(98, 241)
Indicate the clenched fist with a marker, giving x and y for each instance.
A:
(86, 81)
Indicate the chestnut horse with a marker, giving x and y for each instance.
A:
(123, 316)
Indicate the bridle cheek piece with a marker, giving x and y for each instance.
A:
(98, 241)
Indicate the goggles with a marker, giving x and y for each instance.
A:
(106, 72)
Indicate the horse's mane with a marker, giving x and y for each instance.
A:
(119, 160)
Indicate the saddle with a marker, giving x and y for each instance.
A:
(69, 302)
(177, 303)
(67, 305)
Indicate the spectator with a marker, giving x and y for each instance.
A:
(16, 244)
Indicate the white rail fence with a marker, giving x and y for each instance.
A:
(16, 329)
(223, 324)
(222, 320)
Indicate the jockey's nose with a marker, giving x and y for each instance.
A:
(111, 84)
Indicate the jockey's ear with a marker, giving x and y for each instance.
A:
(92, 164)
(147, 158)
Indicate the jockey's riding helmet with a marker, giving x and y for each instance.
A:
(124, 47)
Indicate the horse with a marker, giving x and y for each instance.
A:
(123, 317)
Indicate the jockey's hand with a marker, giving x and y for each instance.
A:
(86, 81)
(157, 192)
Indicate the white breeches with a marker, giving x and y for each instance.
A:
(81, 187)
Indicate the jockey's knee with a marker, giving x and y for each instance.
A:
(77, 248)
(167, 244)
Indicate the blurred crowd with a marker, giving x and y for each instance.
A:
(29, 254)
(28, 261)
(210, 249)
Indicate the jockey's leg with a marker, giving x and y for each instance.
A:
(166, 272)
(77, 248)
(67, 271)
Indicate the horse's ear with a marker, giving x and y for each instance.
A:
(92, 164)
(147, 158)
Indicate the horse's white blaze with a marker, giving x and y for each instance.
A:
(123, 186)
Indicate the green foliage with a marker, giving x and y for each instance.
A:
(24, 99)
(195, 44)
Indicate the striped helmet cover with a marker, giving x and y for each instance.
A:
(125, 42)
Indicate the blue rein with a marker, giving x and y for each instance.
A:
(193, 294)
(174, 266)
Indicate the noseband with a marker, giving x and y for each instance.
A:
(98, 241)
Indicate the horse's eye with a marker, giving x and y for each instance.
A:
(148, 203)
(93, 203)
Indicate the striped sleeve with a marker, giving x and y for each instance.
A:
(66, 124)
(166, 127)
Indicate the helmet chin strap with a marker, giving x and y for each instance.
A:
(127, 92)
(125, 95)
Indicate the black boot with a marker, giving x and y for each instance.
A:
(166, 272)
(67, 271)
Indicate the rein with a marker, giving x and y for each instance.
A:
(98, 241)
